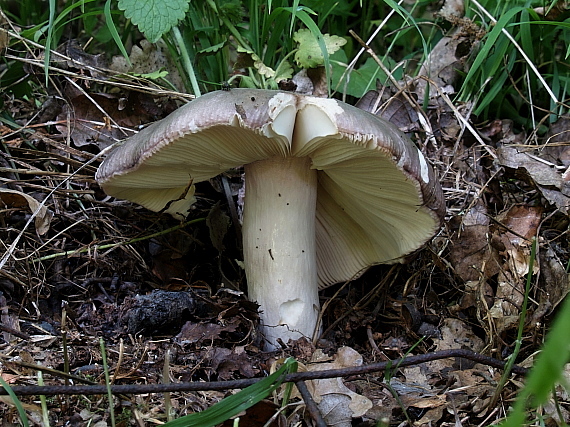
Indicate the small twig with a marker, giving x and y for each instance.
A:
(45, 369)
(113, 245)
(375, 349)
(15, 332)
(299, 376)
(310, 404)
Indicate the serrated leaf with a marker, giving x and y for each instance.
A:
(214, 48)
(159, 74)
(284, 71)
(309, 54)
(154, 17)
(258, 64)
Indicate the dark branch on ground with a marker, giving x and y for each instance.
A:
(242, 383)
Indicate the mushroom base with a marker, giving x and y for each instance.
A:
(280, 247)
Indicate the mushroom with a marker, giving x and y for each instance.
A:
(329, 190)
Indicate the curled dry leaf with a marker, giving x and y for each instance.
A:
(89, 125)
(472, 257)
(336, 401)
(519, 225)
(543, 173)
(13, 199)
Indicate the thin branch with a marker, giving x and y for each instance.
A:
(299, 376)
(312, 407)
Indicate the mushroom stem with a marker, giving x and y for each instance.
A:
(280, 247)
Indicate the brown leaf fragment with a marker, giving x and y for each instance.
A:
(90, 117)
(446, 61)
(472, 256)
(259, 414)
(543, 174)
(8, 319)
(226, 362)
(192, 332)
(168, 258)
(431, 417)
(335, 400)
(149, 58)
(4, 37)
(555, 284)
(449, 58)
(520, 226)
(554, 11)
(13, 199)
(517, 226)
(81, 60)
(394, 108)
(557, 146)
(218, 223)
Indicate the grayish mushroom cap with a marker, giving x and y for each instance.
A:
(378, 198)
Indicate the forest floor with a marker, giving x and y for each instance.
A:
(167, 297)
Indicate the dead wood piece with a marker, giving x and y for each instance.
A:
(310, 404)
(299, 376)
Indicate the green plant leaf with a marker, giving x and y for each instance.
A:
(214, 48)
(17, 403)
(284, 71)
(483, 56)
(548, 369)
(309, 54)
(360, 80)
(237, 403)
(154, 17)
(49, 39)
(258, 64)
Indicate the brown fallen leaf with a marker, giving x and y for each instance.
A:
(544, 174)
(517, 227)
(192, 332)
(90, 117)
(337, 403)
(13, 199)
(472, 256)
(224, 362)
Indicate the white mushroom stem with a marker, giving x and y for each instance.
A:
(279, 246)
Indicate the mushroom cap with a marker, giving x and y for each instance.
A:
(378, 199)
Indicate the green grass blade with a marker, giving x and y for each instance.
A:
(548, 369)
(49, 38)
(302, 14)
(294, 10)
(107, 381)
(43, 401)
(114, 33)
(408, 20)
(237, 403)
(17, 403)
(67, 11)
(485, 51)
(526, 40)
